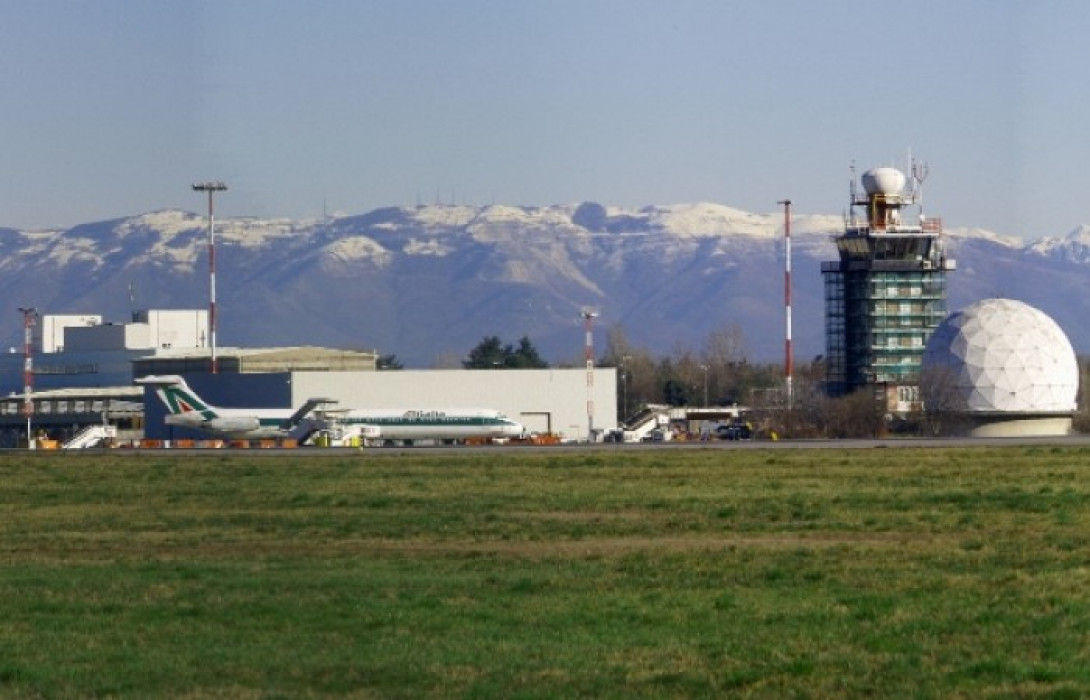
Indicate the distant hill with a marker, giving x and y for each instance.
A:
(427, 283)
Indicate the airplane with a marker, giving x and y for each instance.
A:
(187, 409)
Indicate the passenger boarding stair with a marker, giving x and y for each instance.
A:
(91, 436)
(309, 420)
(326, 426)
(639, 426)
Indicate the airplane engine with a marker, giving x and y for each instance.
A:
(235, 424)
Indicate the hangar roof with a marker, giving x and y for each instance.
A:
(251, 360)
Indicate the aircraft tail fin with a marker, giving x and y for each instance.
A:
(178, 398)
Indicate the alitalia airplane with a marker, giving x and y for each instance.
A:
(187, 409)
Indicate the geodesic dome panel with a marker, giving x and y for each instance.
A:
(1002, 355)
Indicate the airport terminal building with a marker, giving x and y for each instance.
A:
(83, 372)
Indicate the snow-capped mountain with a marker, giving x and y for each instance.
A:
(427, 283)
(1072, 248)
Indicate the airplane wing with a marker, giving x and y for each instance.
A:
(303, 411)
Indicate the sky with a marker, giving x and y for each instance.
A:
(115, 107)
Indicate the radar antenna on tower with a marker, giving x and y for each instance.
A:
(851, 192)
(918, 170)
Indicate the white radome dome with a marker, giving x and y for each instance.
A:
(884, 181)
(1004, 356)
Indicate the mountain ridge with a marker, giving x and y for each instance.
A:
(428, 282)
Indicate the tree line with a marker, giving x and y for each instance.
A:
(721, 373)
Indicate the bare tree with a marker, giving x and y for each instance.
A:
(448, 359)
(1082, 414)
(944, 403)
(617, 345)
(687, 373)
(724, 354)
(857, 415)
(725, 346)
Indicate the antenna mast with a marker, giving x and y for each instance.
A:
(919, 171)
(789, 360)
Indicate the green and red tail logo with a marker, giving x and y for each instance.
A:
(179, 401)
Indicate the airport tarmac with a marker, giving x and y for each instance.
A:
(1079, 440)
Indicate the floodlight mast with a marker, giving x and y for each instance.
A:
(30, 315)
(211, 188)
(624, 388)
(588, 316)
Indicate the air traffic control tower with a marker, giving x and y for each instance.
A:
(887, 293)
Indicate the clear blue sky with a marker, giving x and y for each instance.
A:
(113, 107)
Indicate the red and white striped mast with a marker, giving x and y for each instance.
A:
(588, 354)
(30, 314)
(211, 188)
(789, 360)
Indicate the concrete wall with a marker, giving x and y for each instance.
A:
(69, 369)
(176, 328)
(1030, 426)
(53, 328)
(108, 336)
(150, 328)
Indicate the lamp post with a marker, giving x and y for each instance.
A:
(705, 368)
(588, 324)
(624, 387)
(211, 188)
(30, 314)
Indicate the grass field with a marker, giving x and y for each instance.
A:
(900, 573)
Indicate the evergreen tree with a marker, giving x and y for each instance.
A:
(491, 353)
(389, 362)
(526, 356)
(674, 393)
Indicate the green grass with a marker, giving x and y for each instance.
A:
(673, 573)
